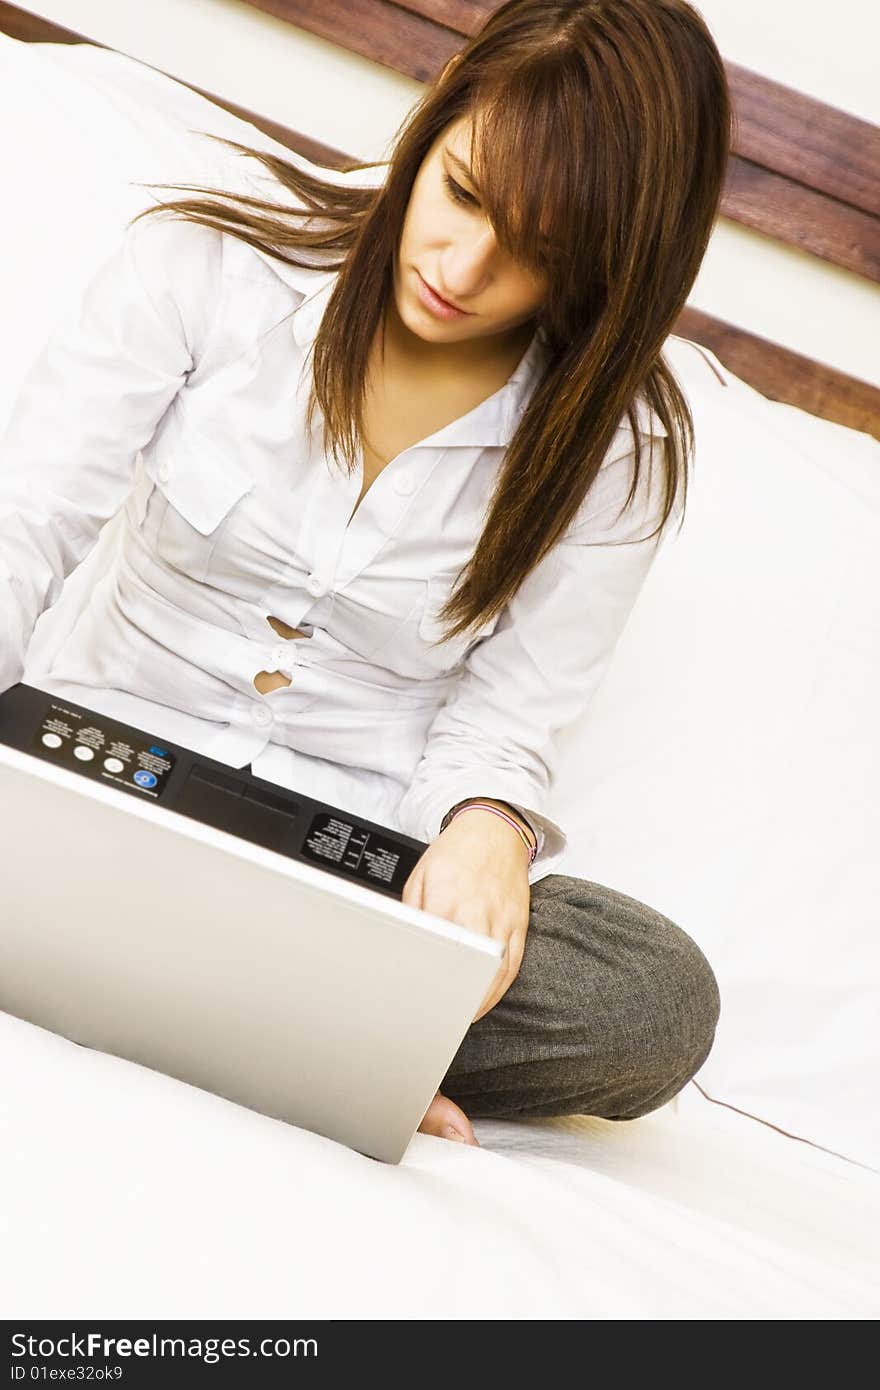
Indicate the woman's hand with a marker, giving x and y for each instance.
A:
(476, 873)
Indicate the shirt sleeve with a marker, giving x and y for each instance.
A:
(89, 402)
(538, 670)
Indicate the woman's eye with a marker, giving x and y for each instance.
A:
(459, 194)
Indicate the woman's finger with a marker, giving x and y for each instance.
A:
(466, 909)
(506, 974)
(413, 889)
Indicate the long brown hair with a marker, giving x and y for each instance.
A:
(611, 116)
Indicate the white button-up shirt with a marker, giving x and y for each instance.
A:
(189, 354)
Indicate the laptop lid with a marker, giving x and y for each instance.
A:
(290, 979)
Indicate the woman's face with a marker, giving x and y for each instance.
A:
(449, 247)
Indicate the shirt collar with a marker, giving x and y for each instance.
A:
(493, 421)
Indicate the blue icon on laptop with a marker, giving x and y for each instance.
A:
(145, 779)
(160, 752)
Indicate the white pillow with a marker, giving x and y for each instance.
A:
(727, 769)
(92, 126)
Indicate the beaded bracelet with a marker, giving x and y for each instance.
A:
(484, 806)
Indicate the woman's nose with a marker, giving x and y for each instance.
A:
(467, 264)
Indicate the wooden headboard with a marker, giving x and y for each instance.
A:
(801, 172)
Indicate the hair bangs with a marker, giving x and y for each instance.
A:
(530, 180)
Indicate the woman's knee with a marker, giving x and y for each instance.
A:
(682, 1009)
(648, 998)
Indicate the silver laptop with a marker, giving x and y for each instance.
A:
(290, 979)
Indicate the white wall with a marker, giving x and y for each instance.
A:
(827, 51)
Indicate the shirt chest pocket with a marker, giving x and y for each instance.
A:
(419, 649)
(196, 494)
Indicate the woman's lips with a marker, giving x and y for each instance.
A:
(437, 306)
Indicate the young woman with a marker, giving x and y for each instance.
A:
(441, 491)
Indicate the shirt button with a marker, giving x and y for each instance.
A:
(262, 716)
(279, 656)
(403, 483)
(164, 472)
(316, 586)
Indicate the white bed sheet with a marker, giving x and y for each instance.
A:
(131, 1194)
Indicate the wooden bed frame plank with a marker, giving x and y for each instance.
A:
(783, 375)
(464, 16)
(776, 372)
(802, 217)
(803, 139)
(385, 33)
(32, 28)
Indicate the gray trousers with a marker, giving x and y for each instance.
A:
(613, 1011)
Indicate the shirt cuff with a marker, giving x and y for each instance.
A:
(533, 820)
(552, 843)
